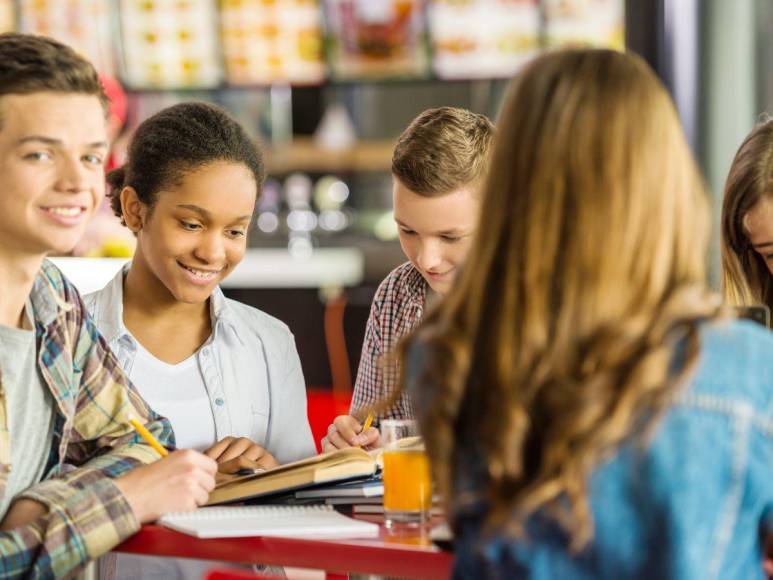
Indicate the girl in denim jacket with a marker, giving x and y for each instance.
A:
(588, 411)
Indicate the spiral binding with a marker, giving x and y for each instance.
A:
(209, 513)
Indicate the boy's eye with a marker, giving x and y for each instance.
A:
(236, 233)
(38, 156)
(190, 226)
(93, 159)
(450, 239)
(407, 232)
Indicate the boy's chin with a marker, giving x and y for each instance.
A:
(61, 245)
(440, 287)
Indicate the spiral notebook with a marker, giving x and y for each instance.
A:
(319, 521)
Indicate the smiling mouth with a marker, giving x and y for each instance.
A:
(65, 211)
(200, 274)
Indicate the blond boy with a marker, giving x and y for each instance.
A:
(437, 169)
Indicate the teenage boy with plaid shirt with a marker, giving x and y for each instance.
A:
(75, 480)
(437, 169)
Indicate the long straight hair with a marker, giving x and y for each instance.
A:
(556, 344)
(746, 279)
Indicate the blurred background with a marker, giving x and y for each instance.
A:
(327, 85)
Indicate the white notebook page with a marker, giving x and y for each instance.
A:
(274, 521)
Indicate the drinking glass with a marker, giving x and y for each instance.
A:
(407, 482)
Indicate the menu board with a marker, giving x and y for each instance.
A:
(196, 44)
(170, 44)
(377, 39)
(266, 41)
(598, 23)
(7, 16)
(81, 24)
(482, 38)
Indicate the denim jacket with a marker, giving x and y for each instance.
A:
(250, 368)
(695, 503)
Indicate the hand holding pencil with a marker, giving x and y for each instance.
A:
(178, 481)
(347, 431)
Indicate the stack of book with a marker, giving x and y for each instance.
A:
(352, 470)
(368, 491)
(363, 497)
(347, 477)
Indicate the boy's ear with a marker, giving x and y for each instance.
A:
(132, 209)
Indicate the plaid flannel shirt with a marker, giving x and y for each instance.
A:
(396, 310)
(92, 442)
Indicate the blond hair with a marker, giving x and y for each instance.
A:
(746, 279)
(443, 150)
(557, 343)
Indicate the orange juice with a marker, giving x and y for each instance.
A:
(407, 482)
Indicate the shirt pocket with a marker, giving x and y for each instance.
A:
(258, 425)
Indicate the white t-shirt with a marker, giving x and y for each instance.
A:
(177, 392)
(30, 408)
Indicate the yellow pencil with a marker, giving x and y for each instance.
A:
(368, 423)
(148, 436)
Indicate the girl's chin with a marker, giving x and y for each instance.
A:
(188, 294)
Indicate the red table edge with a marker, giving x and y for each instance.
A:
(340, 556)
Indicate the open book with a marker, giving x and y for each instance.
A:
(340, 465)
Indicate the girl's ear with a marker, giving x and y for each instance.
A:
(133, 210)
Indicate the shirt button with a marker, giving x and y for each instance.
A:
(219, 402)
(205, 352)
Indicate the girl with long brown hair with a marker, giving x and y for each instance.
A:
(585, 412)
(747, 221)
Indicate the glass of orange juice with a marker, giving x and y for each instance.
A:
(407, 482)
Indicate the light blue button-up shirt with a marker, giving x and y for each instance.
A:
(249, 365)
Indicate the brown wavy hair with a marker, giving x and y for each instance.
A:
(557, 343)
(34, 64)
(746, 279)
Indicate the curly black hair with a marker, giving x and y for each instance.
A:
(177, 140)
